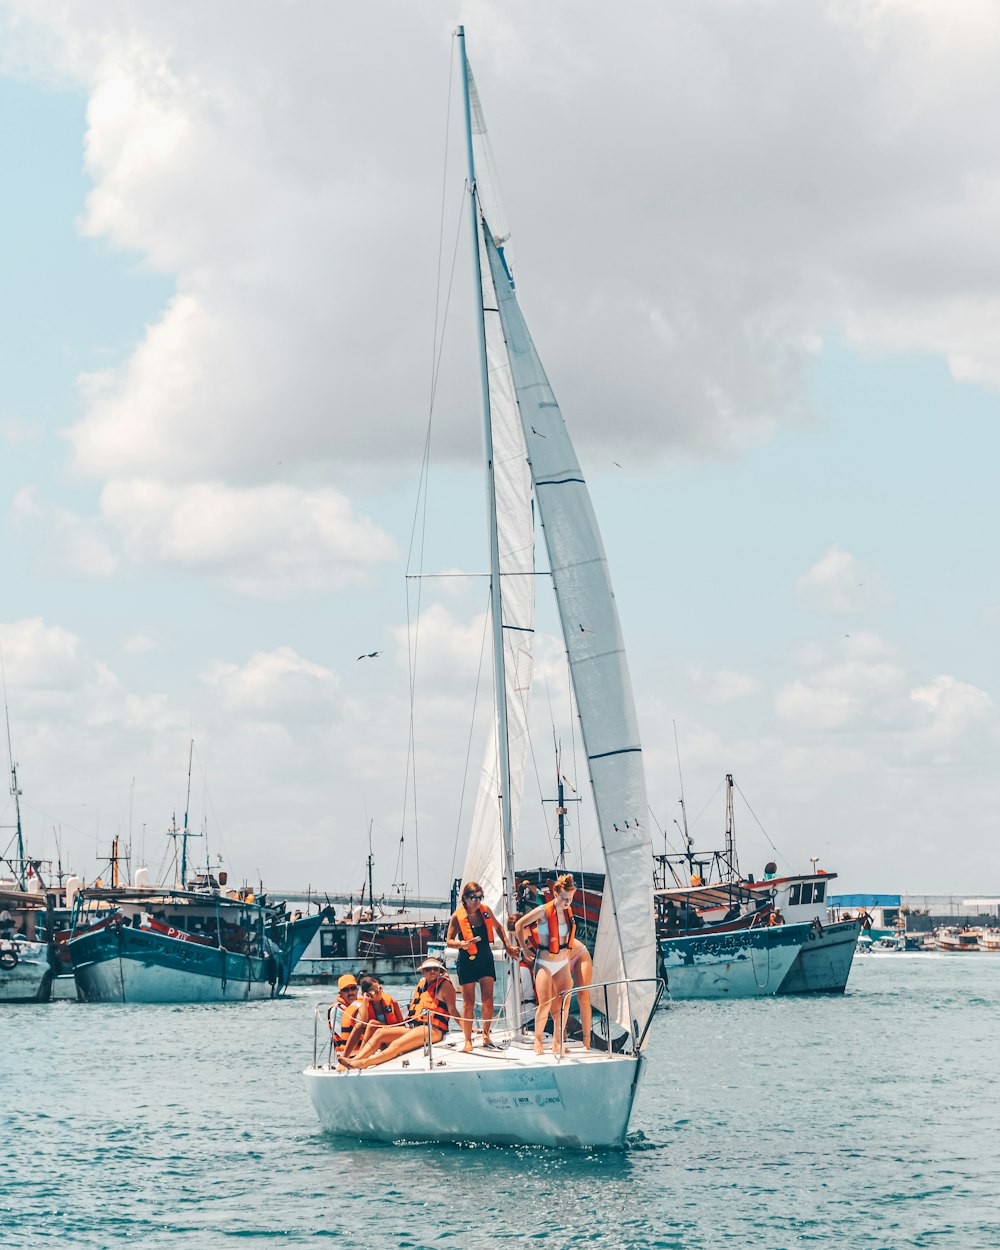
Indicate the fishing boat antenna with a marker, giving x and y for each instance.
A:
(187, 808)
(560, 801)
(731, 862)
(15, 789)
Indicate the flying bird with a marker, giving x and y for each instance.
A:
(370, 655)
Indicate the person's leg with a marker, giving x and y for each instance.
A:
(410, 1039)
(583, 974)
(486, 990)
(468, 1011)
(561, 982)
(380, 1038)
(543, 988)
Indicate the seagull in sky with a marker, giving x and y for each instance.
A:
(370, 655)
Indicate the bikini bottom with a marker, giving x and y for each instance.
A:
(553, 964)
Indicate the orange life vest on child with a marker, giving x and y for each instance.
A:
(384, 1009)
(552, 920)
(425, 1004)
(465, 928)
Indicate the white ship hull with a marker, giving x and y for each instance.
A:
(516, 1098)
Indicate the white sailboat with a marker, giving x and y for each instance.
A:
(512, 1095)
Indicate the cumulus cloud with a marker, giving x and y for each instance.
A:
(840, 583)
(275, 685)
(723, 685)
(844, 685)
(286, 173)
(267, 542)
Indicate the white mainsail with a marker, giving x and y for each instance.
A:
(484, 860)
(516, 541)
(625, 940)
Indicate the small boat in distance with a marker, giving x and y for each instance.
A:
(955, 941)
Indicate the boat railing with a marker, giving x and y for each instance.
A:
(638, 1030)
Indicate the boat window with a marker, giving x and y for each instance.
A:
(793, 895)
(819, 891)
(807, 892)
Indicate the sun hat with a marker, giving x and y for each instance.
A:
(432, 965)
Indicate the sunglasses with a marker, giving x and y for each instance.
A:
(474, 898)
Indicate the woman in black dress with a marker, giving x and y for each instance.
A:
(471, 931)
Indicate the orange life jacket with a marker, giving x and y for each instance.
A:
(341, 1017)
(384, 1009)
(465, 928)
(552, 920)
(426, 1004)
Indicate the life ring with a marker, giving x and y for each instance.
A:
(8, 959)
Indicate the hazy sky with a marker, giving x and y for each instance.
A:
(757, 244)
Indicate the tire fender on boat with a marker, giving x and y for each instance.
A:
(8, 959)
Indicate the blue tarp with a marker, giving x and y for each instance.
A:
(863, 900)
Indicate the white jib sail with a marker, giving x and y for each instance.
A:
(626, 944)
(515, 533)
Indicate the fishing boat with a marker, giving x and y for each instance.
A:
(193, 942)
(511, 1095)
(722, 935)
(26, 970)
(989, 939)
(955, 941)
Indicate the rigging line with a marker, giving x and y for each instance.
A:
(420, 524)
(444, 191)
(707, 805)
(760, 826)
(534, 768)
(468, 748)
(662, 832)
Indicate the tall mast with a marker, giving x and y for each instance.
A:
(187, 831)
(732, 864)
(15, 790)
(496, 607)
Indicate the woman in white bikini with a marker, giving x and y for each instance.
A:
(548, 934)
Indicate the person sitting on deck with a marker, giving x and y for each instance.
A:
(432, 1008)
(340, 1016)
(376, 1010)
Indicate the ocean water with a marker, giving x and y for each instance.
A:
(863, 1121)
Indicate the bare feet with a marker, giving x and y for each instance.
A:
(539, 1048)
(467, 1048)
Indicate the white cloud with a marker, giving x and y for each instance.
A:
(267, 542)
(952, 706)
(276, 685)
(840, 583)
(723, 685)
(140, 644)
(295, 203)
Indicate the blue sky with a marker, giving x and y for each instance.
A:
(220, 262)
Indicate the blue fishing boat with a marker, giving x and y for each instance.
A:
(146, 944)
(721, 935)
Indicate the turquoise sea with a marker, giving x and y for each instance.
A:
(863, 1121)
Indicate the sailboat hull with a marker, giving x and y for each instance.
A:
(582, 1101)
